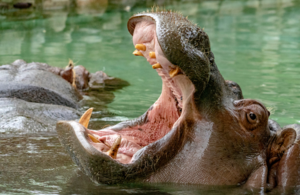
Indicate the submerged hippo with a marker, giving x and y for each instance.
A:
(199, 131)
(35, 82)
(33, 99)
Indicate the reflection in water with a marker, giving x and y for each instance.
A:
(255, 42)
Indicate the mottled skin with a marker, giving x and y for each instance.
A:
(218, 139)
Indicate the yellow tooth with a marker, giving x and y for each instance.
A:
(155, 66)
(113, 151)
(93, 138)
(140, 47)
(85, 118)
(152, 54)
(174, 72)
(137, 53)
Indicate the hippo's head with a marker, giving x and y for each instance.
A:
(197, 132)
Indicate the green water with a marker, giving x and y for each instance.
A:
(256, 44)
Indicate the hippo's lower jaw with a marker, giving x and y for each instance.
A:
(156, 134)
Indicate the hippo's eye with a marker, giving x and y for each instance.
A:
(251, 117)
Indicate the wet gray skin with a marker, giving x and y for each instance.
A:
(33, 82)
(213, 137)
(20, 117)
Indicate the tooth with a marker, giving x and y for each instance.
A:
(152, 54)
(155, 66)
(85, 118)
(174, 72)
(74, 78)
(93, 138)
(112, 152)
(137, 53)
(140, 47)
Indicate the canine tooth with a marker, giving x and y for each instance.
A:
(85, 118)
(112, 152)
(137, 53)
(174, 72)
(155, 66)
(140, 47)
(152, 54)
(93, 138)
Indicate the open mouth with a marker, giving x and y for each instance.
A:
(122, 141)
(122, 144)
(134, 149)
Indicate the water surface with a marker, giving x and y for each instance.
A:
(256, 44)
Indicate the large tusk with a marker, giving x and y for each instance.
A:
(174, 72)
(152, 54)
(137, 53)
(113, 151)
(155, 66)
(140, 47)
(93, 138)
(85, 118)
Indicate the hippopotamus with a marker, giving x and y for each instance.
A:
(34, 82)
(34, 96)
(199, 131)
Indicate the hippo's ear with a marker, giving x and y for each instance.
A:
(286, 139)
(67, 74)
